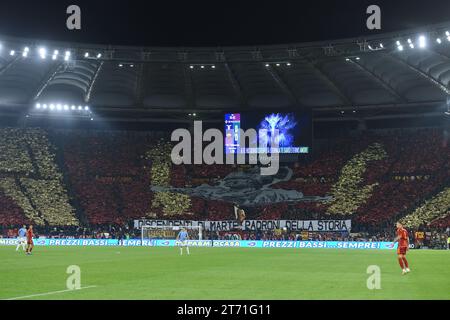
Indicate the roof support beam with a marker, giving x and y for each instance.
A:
(189, 86)
(140, 85)
(380, 81)
(423, 74)
(236, 85)
(383, 106)
(283, 86)
(9, 65)
(87, 98)
(381, 117)
(334, 87)
(46, 81)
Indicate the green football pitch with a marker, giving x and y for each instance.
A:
(220, 273)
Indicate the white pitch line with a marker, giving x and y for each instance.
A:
(49, 293)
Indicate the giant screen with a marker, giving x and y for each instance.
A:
(294, 131)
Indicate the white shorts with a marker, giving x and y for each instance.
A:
(21, 239)
(183, 243)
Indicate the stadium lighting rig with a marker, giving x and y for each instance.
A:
(436, 36)
(126, 65)
(61, 110)
(352, 58)
(202, 66)
(278, 64)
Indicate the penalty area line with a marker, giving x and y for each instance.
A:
(49, 293)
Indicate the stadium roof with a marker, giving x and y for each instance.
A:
(388, 75)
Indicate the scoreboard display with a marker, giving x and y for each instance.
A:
(294, 132)
(232, 126)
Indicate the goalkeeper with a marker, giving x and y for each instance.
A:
(182, 239)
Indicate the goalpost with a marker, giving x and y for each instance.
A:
(169, 232)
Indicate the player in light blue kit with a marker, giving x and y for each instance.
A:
(182, 239)
(22, 238)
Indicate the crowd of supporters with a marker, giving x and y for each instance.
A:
(99, 178)
(31, 184)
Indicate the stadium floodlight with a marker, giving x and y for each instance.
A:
(80, 108)
(358, 58)
(422, 42)
(86, 108)
(411, 45)
(194, 114)
(347, 59)
(59, 107)
(52, 106)
(44, 106)
(447, 33)
(288, 64)
(99, 56)
(448, 38)
(267, 65)
(277, 64)
(400, 48)
(438, 40)
(67, 56)
(72, 107)
(12, 53)
(92, 119)
(25, 52)
(38, 105)
(203, 67)
(66, 107)
(131, 65)
(43, 52)
(381, 45)
(398, 43)
(213, 67)
(192, 67)
(409, 41)
(86, 55)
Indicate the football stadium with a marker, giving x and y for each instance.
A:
(316, 170)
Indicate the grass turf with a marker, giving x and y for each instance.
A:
(222, 273)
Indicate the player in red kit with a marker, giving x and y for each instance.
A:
(403, 246)
(30, 244)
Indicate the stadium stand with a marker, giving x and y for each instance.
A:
(32, 179)
(376, 178)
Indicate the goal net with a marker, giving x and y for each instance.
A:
(169, 232)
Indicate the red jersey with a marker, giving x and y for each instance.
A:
(30, 234)
(402, 237)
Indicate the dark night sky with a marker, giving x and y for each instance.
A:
(213, 22)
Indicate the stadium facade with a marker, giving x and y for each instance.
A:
(361, 80)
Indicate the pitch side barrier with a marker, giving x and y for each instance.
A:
(208, 243)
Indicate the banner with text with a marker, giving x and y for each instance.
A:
(254, 225)
(208, 243)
